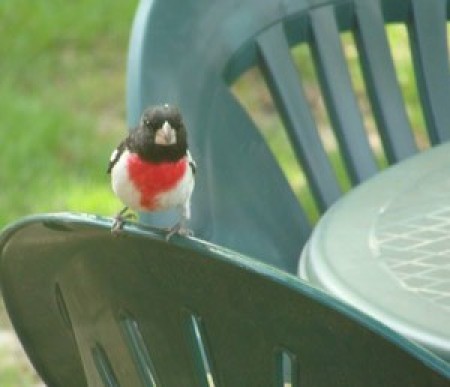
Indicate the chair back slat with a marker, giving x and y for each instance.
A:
(240, 218)
(382, 84)
(226, 139)
(428, 34)
(339, 95)
(283, 81)
(136, 311)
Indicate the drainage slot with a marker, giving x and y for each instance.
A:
(202, 358)
(103, 366)
(139, 351)
(62, 308)
(287, 369)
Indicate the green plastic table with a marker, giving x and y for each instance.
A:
(385, 249)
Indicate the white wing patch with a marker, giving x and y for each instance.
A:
(113, 155)
(189, 156)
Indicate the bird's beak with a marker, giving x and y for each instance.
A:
(165, 135)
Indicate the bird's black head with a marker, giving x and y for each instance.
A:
(160, 135)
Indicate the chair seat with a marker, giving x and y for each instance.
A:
(383, 248)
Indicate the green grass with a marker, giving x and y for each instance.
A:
(62, 96)
(15, 371)
(62, 111)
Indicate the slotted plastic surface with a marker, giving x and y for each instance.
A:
(241, 35)
(429, 46)
(382, 84)
(145, 313)
(283, 82)
(342, 104)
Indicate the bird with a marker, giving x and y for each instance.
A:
(153, 170)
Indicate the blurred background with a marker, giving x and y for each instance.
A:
(62, 111)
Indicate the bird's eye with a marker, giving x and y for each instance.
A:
(147, 123)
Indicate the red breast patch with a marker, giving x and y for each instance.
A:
(152, 179)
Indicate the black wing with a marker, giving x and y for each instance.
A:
(193, 166)
(192, 163)
(115, 156)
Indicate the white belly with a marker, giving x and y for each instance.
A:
(179, 195)
(122, 185)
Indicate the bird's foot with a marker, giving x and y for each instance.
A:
(119, 221)
(180, 230)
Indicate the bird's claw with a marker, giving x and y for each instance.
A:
(122, 217)
(117, 226)
(119, 221)
(180, 230)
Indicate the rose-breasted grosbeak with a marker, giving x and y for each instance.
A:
(152, 169)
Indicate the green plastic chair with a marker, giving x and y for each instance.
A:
(190, 54)
(94, 310)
